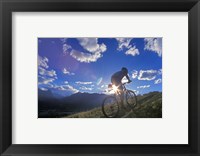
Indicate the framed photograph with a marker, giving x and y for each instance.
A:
(99, 77)
(73, 83)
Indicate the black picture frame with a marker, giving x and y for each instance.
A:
(9, 6)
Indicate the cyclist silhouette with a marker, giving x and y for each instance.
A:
(117, 78)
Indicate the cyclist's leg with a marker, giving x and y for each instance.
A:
(121, 93)
(117, 83)
(120, 90)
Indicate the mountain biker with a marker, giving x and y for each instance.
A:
(117, 77)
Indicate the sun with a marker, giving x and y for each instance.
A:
(115, 88)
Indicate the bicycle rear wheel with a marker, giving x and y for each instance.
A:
(131, 98)
(110, 107)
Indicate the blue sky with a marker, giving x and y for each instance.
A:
(70, 65)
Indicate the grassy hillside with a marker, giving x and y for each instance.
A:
(149, 106)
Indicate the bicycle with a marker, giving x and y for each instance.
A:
(111, 104)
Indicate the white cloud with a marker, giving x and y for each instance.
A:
(134, 74)
(60, 88)
(145, 86)
(49, 85)
(45, 80)
(157, 81)
(84, 83)
(154, 45)
(65, 71)
(44, 89)
(91, 45)
(67, 88)
(85, 88)
(132, 51)
(66, 48)
(72, 89)
(160, 71)
(45, 72)
(94, 50)
(123, 43)
(103, 86)
(63, 40)
(43, 66)
(43, 62)
(124, 80)
(85, 57)
(136, 92)
(45, 76)
(147, 75)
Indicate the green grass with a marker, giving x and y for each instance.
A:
(94, 113)
(149, 106)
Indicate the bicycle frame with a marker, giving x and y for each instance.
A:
(117, 92)
(123, 88)
(120, 98)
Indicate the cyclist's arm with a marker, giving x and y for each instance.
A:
(128, 78)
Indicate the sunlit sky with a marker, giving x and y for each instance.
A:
(70, 65)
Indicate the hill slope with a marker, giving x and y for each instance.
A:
(149, 106)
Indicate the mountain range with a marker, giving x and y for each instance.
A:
(78, 102)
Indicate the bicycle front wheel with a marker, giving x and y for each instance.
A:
(110, 107)
(131, 98)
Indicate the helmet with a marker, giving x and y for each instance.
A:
(125, 70)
